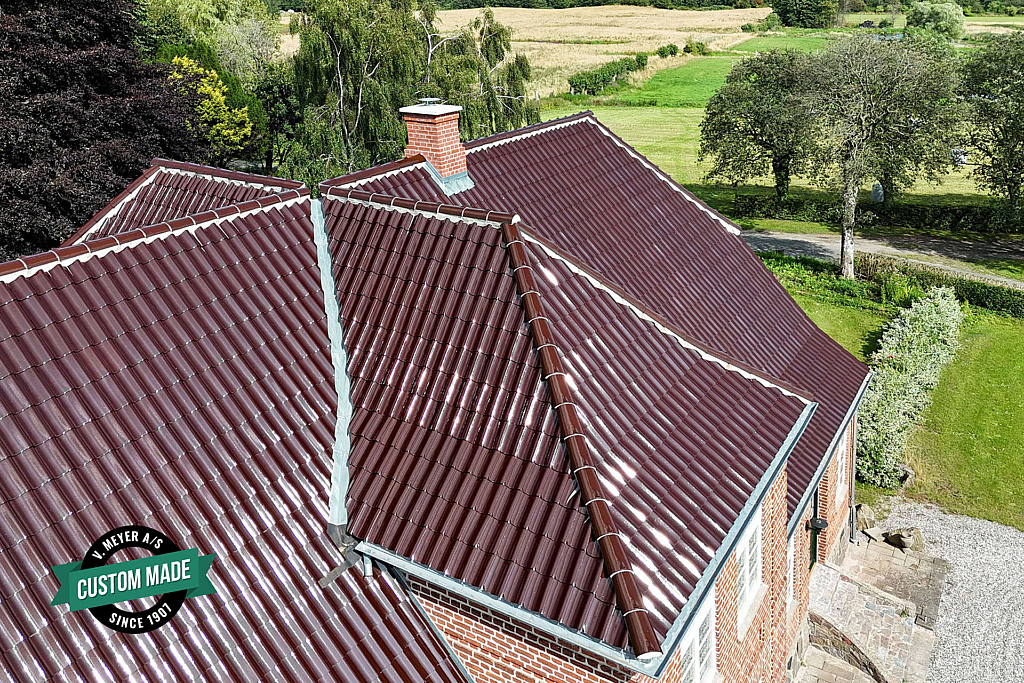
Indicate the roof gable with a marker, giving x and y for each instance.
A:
(172, 189)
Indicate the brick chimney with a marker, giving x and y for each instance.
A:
(434, 132)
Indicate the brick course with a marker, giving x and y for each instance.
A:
(437, 139)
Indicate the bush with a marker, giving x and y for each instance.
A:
(983, 218)
(946, 19)
(770, 23)
(694, 47)
(818, 210)
(885, 23)
(748, 28)
(593, 82)
(666, 51)
(914, 348)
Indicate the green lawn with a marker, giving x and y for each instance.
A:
(856, 329)
(969, 452)
(689, 85)
(795, 41)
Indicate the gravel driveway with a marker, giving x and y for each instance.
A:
(980, 628)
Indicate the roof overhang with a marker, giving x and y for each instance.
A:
(805, 500)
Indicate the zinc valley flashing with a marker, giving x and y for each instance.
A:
(28, 266)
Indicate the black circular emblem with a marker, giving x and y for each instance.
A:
(133, 537)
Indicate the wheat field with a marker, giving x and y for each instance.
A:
(560, 42)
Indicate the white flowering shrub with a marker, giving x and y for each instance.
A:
(914, 348)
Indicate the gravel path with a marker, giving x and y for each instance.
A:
(980, 628)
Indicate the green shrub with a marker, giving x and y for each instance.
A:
(898, 289)
(694, 47)
(748, 28)
(974, 291)
(595, 81)
(885, 23)
(818, 210)
(914, 348)
(669, 50)
(772, 22)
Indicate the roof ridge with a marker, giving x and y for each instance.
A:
(666, 327)
(495, 218)
(372, 173)
(526, 131)
(227, 174)
(103, 214)
(614, 555)
(74, 252)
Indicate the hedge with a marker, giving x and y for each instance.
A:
(593, 82)
(953, 217)
(914, 348)
(974, 291)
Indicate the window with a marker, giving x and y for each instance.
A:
(790, 553)
(843, 457)
(748, 565)
(698, 653)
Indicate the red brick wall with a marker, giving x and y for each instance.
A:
(758, 654)
(834, 506)
(497, 649)
(437, 139)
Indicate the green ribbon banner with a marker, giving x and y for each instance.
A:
(110, 583)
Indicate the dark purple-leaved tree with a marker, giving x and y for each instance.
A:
(80, 116)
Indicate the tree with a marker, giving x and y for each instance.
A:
(80, 116)
(360, 61)
(758, 121)
(807, 13)
(277, 93)
(993, 90)
(903, 158)
(475, 68)
(867, 93)
(225, 129)
(944, 18)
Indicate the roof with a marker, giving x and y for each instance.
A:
(180, 377)
(523, 428)
(598, 201)
(175, 189)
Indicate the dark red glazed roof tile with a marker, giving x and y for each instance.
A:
(589, 194)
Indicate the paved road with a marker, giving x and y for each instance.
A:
(826, 246)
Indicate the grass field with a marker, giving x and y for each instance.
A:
(969, 452)
(561, 42)
(807, 41)
(689, 85)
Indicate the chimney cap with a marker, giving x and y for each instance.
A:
(430, 106)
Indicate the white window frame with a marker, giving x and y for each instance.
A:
(690, 650)
(790, 561)
(749, 578)
(842, 467)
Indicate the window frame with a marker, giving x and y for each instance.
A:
(691, 645)
(790, 566)
(842, 468)
(749, 583)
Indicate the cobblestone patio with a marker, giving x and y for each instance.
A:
(821, 667)
(907, 574)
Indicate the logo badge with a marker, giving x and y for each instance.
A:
(170, 573)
